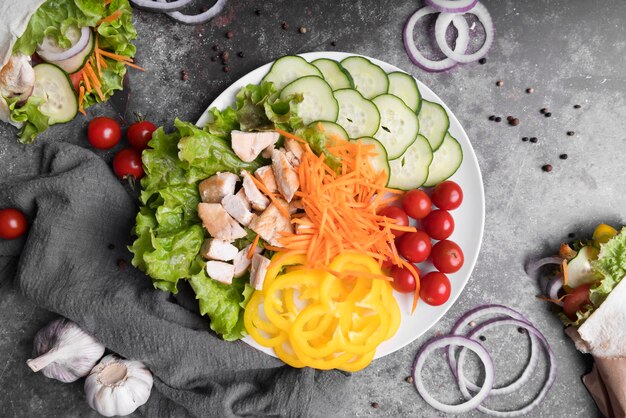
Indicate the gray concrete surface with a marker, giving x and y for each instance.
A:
(569, 51)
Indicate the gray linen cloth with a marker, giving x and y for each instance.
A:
(76, 210)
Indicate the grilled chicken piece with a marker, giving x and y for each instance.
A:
(242, 195)
(295, 205)
(219, 223)
(17, 77)
(254, 195)
(258, 271)
(242, 262)
(266, 176)
(286, 176)
(217, 249)
(248, 145)
(270, 223)
(295, 148)
(213, 189)
(238, 207)
(220, 271)
(267, 152)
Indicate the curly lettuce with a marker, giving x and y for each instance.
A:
(611, 265)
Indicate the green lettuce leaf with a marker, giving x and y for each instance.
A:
(259, 107)
(611, 264)
(34, 122)
(318, 142)
(223, 123)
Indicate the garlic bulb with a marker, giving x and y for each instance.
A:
(65, 352)
(118, 387)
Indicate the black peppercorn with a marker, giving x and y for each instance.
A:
(547, 168)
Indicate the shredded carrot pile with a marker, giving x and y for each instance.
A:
(342, 208)
(565, 272)
(90, 75)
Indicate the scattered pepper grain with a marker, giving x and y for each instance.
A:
(571, 133)
(498, 119)
(226, 69)
(482, 61)
(230, 34)
(563, 156)
(533, 139)
(184, 76)
(302, 29)
(408, 379)
(530, 90)
(284, 25)
(547, 168)
(375, 405)
(500, 83)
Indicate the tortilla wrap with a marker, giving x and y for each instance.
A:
(14, 18)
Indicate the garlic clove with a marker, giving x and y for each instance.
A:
(118, 387)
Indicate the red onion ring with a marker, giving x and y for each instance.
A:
(552, 289)
(154, 6)
(462, 41)
(531, 330)
(452, 6)
(444, 20)
(481, 311)
(82, 43)
(532, 267)
(199, 18)
(466, 343)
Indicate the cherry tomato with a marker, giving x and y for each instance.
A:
(416, 204)
(398, 214)
(76, 79)
(387, 264)
(127, 163)
(575, 300)
(447, 256)
(447, 195)
(435, 288)
(139, 134)
(104, 133)
(12, 223)
(414, 246)
(439, 224)
(403, 280)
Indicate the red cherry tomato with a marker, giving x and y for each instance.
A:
(414, 246)
(439, 224)
(435, 288)
(447, 195)
(398, 214)
(104, 133)
(76, 78)
(139, 134)
(403, 280)
(127, 163)
(12, 223)
(416, 204)
(575, 300)
(447, 256)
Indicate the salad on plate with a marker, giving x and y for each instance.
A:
(288, 212)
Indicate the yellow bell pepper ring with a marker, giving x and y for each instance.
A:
(358, 362)
(603, 233)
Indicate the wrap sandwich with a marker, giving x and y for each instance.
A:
(58, 57)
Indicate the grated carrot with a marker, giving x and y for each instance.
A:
(81, 95)
(110, 18)
(255, 243)
(279, 205)
(565, 272)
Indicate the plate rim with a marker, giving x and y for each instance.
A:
(234, 87)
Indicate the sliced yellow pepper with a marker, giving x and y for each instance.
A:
(603, 233)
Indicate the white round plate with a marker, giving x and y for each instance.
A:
(469, 218)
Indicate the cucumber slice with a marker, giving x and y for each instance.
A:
(404, 86)
(331, 129)
(434, 123)
(72, 64)
(446, 160)
(579, 268)
(369, 79)
(318, 101)
(334, 74)
(379, 162)
(53, 85)
(410, 171)
(289, 68)
(358, 116)
(398, 125)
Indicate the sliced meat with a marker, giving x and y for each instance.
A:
(254, 195)
(17, 77)
(242, 262)
(219, 223)
(248, 145)
(295, 205)
(286, 176)
(242, 194)
(270, 223)
(213, 189)
(217, 249)
(220, 271)
(267, 152)
(237, 207)
(258, 270)
(266, 176)
(295, 148)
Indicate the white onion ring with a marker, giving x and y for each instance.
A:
(532, 267)
(444, 20)
(82, 43)
(472, 315)
(531, 330)
(462, 41)
(452, 6)
(552, 289)
(153, 6)
(456, 340)
(199, 18)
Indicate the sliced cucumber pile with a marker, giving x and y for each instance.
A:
(355, 99)
(53, 85)
(334, 74)
(318, 101)
(398, 124)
